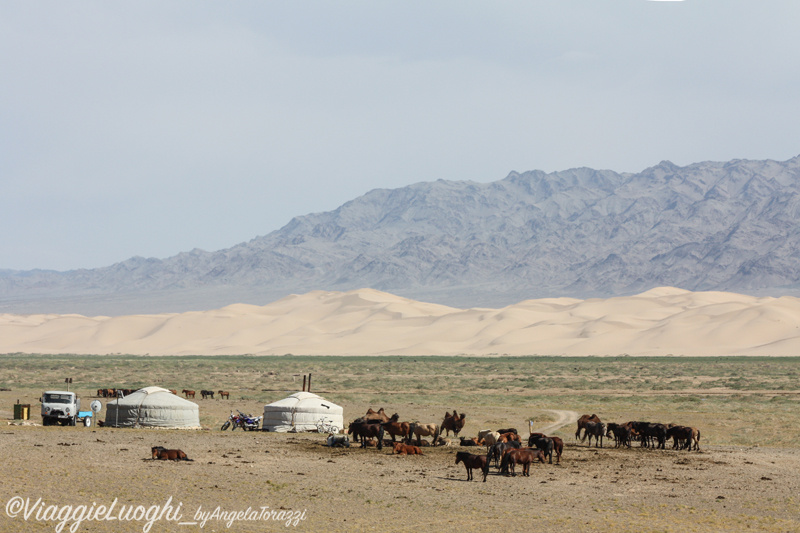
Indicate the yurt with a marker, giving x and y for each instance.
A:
(301, 411)
(153, 407)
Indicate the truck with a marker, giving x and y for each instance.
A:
(63, 407)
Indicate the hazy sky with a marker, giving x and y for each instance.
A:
(151, 128)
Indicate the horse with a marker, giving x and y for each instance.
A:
(508, 437)
(173, 391)
(466, 441)
(423, 430)
(523, 456)
(473, 461)
(488, 437)
(454, 423)
(206, 393)
(695, 439)
(543, 443)
(681, 437)
(558, 444)
(497, 450)
(362, 430)
(508, 430)
(621, 434)
(596, 430)
(651, 432)
(394, 427)
(582, 423)
(159, 452)
(441, 441)
(376, 417)
(405, 449)
(223, 394)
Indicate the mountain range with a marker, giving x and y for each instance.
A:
(722, 226)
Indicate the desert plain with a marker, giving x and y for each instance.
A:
(746, 475)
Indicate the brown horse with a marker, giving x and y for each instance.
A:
(406, 449)
(159, 452)
(224, 394)
(473, 461)
(454, 423)
(509, 436)
(188, 393)
(522, 456)
(396, 428)
(173, 391)
(582, 424)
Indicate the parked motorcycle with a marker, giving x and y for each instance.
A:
(232, 420)
(241, 420)
(249, 422)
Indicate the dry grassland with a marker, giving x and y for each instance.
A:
(747, 475)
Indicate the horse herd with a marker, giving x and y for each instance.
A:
(504, 447)
(370, 429)
(113, 393)
(649, 434)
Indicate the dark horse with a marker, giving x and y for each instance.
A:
(596, 430)
(159, 452)
(543, 443)
(473, 461)
(362, 430)
(497, 449)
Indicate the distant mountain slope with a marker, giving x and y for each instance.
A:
(581, 232)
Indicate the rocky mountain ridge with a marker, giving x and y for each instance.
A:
(581, 232)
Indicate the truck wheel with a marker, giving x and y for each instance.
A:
(46, 421)
(73, 421)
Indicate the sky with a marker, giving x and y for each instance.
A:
(150, 128)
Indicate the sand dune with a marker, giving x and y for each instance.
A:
(662, 321)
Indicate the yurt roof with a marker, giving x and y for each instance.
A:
(157, 395)
(303, 399)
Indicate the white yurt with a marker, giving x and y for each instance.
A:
(153, 407)
(301, 411)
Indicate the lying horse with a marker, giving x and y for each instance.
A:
(522, 456)
(337, 441)
(465, 441)
(473, 461)
(159, 452)
(406, 449)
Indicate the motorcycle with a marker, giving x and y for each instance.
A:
(241, 420)
(232, 420)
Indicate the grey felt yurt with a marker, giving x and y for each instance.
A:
(153, 407)
(301, 411)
